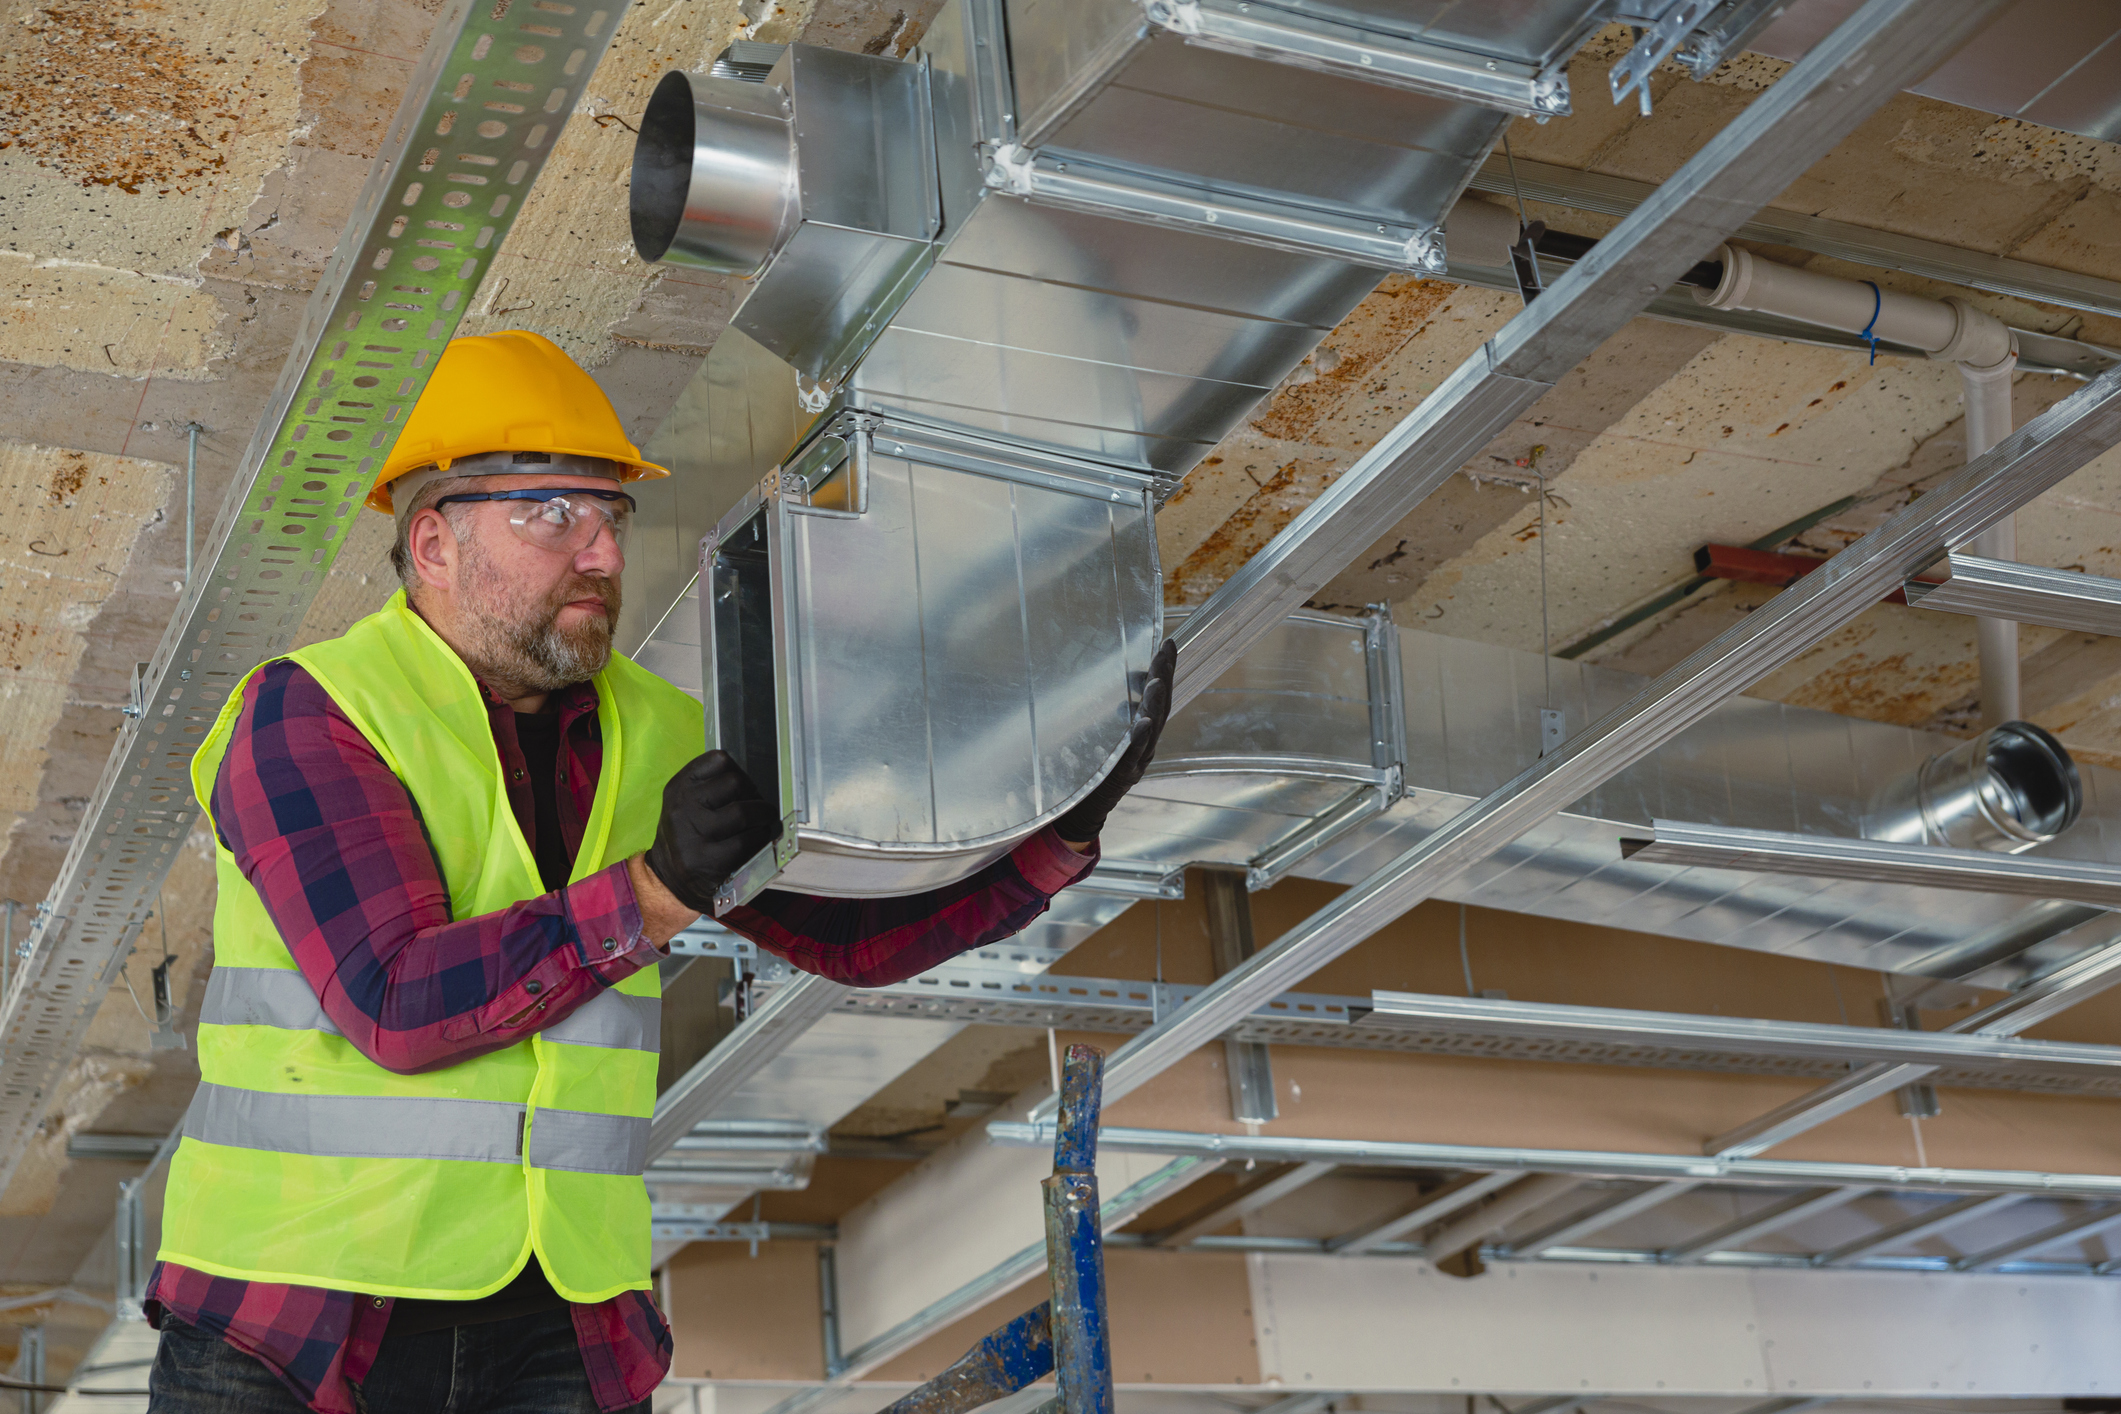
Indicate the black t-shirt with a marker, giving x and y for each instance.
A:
(539, 737)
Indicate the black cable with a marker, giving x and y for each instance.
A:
(1564, 245)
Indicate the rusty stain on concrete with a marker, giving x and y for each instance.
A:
(89, 92)
(1344, 366)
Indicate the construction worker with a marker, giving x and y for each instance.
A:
(452, 845)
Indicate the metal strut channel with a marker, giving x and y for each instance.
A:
(1689, 845)
(1824, 96)
(1846, 78)
(2082, 977)
(2031, 594)
(1582, 1163)
(480, 115)
(764, 1034)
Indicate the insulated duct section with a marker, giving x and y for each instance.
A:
(1001, 297)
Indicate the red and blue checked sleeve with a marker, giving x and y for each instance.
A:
(334, 845)
(874, 942)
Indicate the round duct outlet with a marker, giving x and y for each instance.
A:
(714, 174)
(2009, 789)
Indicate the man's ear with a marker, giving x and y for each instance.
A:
(431, 542)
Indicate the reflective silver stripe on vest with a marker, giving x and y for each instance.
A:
(614, 1019)
(588, 1143)
(263, 996)
(358, 1126)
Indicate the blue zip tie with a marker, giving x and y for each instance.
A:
(1870, 330)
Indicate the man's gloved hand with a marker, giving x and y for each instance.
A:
(713, 820)
(1082, 824)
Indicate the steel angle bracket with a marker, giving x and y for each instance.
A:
(1367, 56)
(1657, 44)
(1724, 32)
(481, 113)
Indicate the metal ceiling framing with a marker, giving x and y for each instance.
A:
(974, 993)
(481, 114)
(2029, 594)
(761, 1036)
(1477, 1172)
(1685, 844)
(2038, 456)
(2038, 1000)
(1846, 78)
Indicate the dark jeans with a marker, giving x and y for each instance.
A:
(528, 1365)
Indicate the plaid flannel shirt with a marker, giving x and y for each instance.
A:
(336, 849)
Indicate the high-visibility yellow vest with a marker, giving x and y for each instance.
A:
(303, 1161)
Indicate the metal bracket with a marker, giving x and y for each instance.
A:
(1658, 43)
(758, 871)
(136, 695)
(1725, 33)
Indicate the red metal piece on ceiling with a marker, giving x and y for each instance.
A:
(1773, 567)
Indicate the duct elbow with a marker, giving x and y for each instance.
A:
(2009, 789)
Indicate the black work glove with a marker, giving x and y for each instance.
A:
(713, 820)
(1083, 824)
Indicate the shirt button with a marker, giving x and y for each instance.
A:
(611, 945)
(379, 1303)
(533, 987)
(519, 775)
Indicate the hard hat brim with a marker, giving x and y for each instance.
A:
(379, 499)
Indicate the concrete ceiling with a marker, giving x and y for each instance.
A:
(174, 173)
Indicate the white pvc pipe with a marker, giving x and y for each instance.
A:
(1949, 329)
(1480, 232)
(1988, 421)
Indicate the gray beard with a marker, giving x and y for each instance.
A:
(531, 652)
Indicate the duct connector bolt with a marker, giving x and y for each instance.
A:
(1949, 329)
(2009, 789)
(714, 174)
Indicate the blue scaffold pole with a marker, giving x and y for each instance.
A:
(1065, 1337)
(1075, 1243)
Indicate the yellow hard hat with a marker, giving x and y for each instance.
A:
(511, 391)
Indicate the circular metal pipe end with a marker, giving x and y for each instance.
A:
(714, 174)
(2012, 787)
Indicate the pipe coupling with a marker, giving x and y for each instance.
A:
(1737, 281)
(1980, 340)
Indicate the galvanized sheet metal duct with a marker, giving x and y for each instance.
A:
(1472, 722)
(1049, 263)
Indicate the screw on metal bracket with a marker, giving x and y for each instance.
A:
(136, 705)
(1552, 732)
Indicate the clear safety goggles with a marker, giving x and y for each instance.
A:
(563, 519)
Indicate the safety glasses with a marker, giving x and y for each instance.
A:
(563, 519)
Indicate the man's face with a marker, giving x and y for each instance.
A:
(540, 617)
